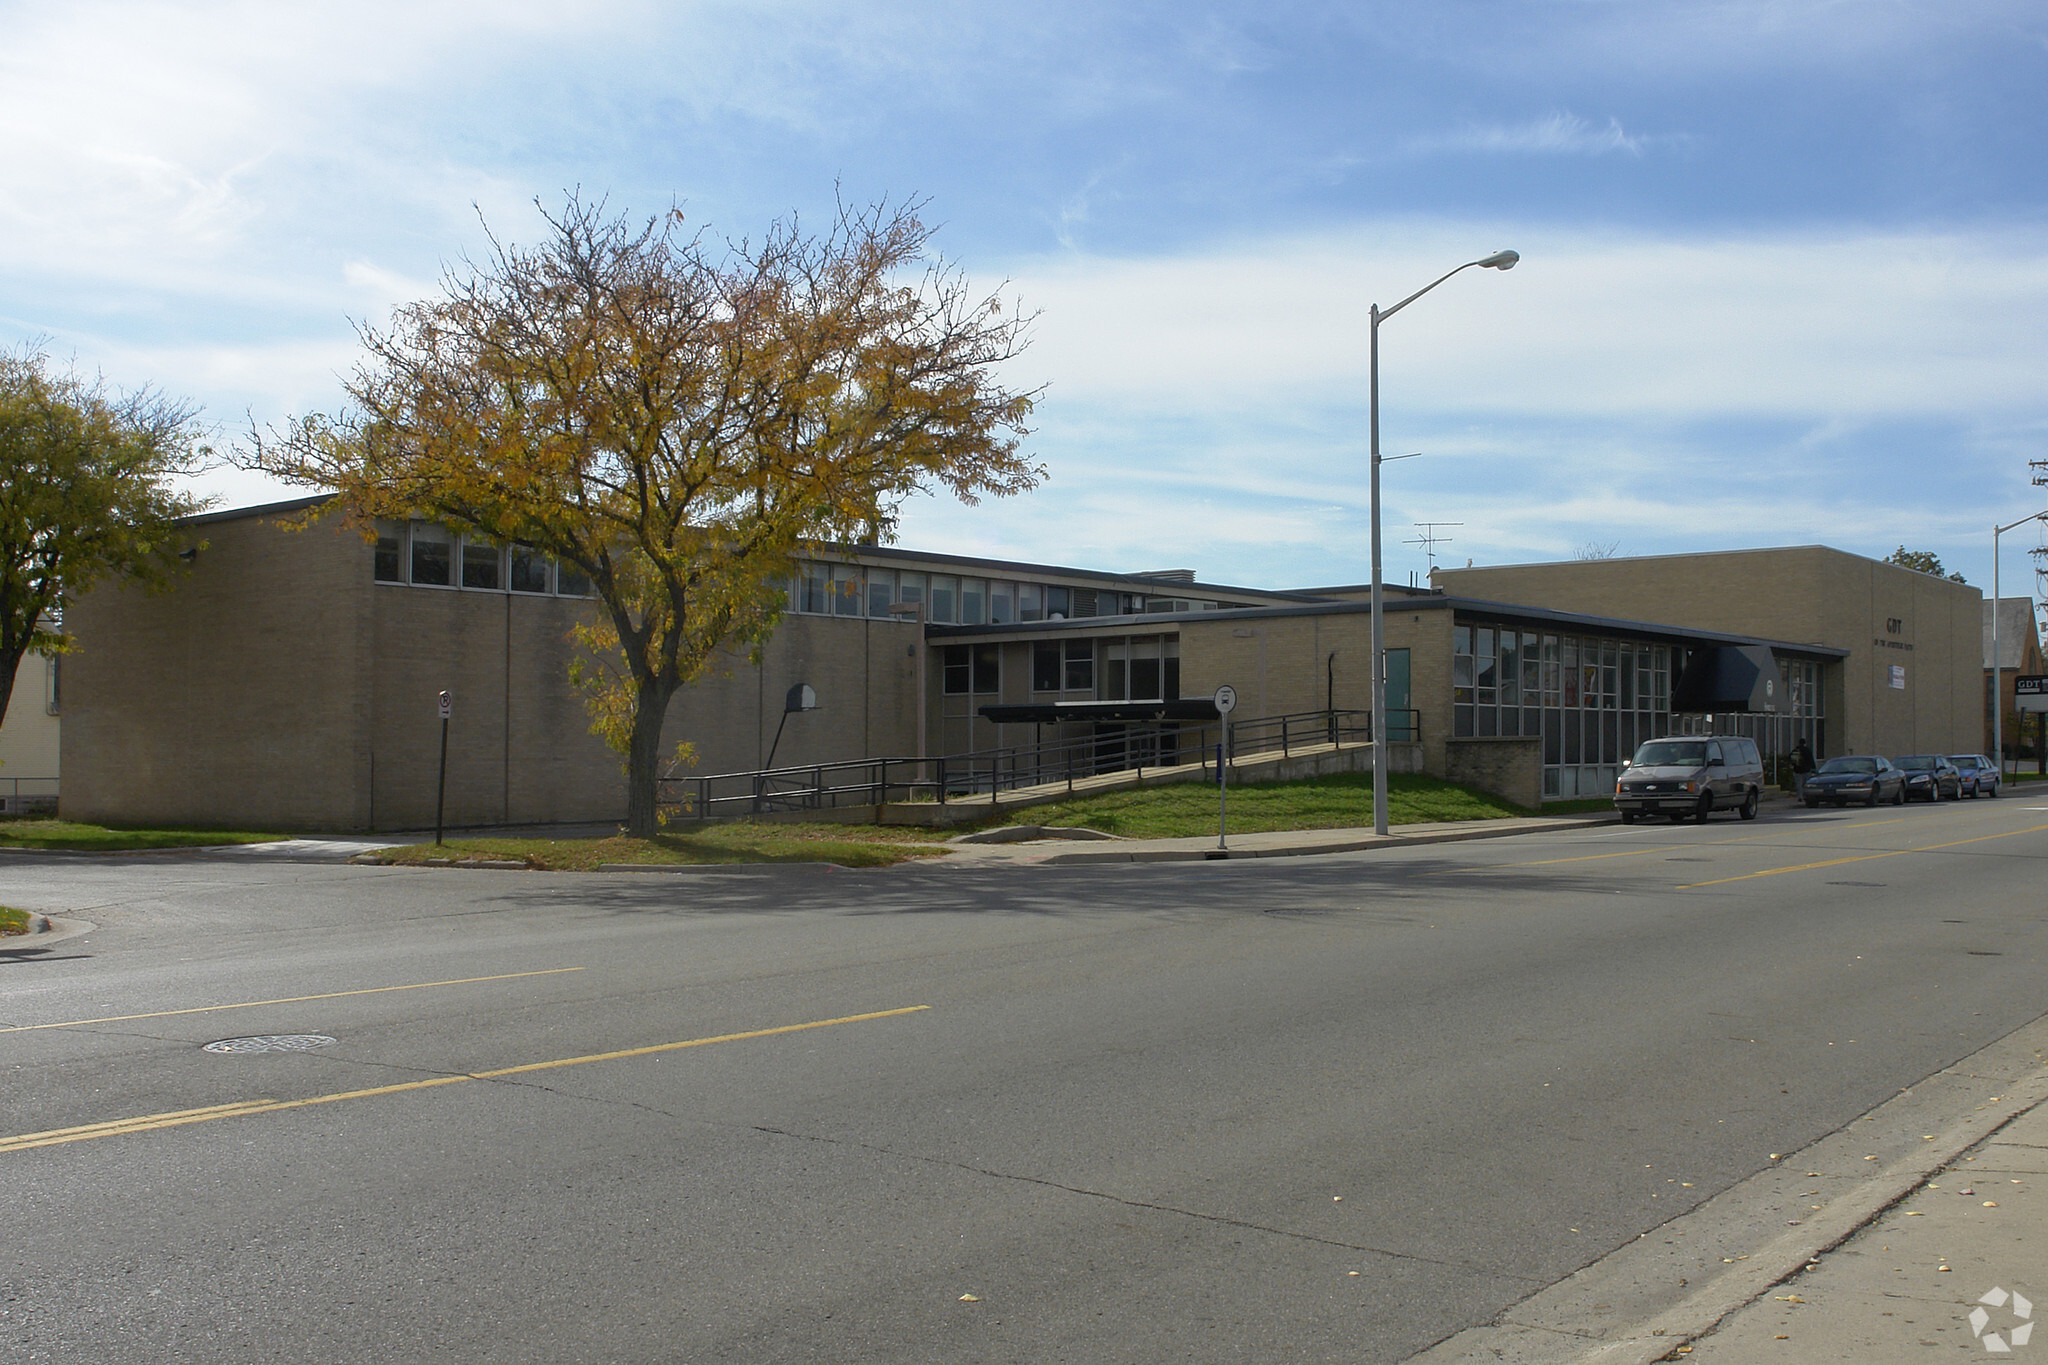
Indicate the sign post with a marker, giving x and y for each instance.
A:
(1226, 702)
(2030, 693)
(447, 708)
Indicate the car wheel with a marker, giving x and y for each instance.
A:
(1871, 799)
(1628, 817)
(1813, 803)
(1748, 811)
(1900, 799)
(1706, 807)
(1994, 791)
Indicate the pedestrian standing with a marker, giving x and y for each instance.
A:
(1802, 764)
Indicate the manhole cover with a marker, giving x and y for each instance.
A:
(271, 1042)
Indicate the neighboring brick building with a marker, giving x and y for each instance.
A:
(290, 679)
(2019, 651)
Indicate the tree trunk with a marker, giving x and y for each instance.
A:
(643, 760)
(8, 667)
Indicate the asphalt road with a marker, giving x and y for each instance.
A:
(1293, 1109)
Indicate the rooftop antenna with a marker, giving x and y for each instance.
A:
(1429, 539)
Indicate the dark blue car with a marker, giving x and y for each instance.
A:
(1865, 781)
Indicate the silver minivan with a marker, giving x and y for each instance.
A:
(1691, 776)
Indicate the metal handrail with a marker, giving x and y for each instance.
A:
(990, 772)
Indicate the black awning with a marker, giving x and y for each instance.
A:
(1736, 678)
(1184, 708)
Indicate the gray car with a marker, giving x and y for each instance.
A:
(1691, 777)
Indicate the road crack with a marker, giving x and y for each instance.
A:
(1222, 1220)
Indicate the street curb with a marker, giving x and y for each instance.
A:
(1519, 1336)
(724, 867)
(53, 932)
(1353, 845)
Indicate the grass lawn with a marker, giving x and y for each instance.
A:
(1339, 801)
(735, 841)
(13, 921)
(36, 832)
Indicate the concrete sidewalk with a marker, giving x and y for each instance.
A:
(1293, 843)
(1879, 1242)
(1958, 1267)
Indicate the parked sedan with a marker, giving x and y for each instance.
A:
(1979, 773)
(1867, 780)
(1931, 777)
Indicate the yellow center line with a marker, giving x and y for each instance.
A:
(285, 1000)
(144, 1123)
(1863, 858)
(1639, 852)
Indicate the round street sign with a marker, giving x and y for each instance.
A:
(447, 706)
(1226, 699)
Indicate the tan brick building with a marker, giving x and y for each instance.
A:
(290, 679)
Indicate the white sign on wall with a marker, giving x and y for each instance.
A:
(1899, 677)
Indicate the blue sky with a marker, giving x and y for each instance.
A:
(1785, 273)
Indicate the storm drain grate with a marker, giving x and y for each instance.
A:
(271, 1042)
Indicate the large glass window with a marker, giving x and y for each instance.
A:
(529, 570)
(881, 591)
(1116, 660)
(1002, 603)
(1080, 665)
(847, 587)
(973, 602)
(1030, 602)
(1059, 604)
(433, 555)
(814, 589)
(1045, 666)
(1145, 675)
(945, 598)
(1590, 701)
(571, 581)
(481, 564)
(972, 668)
(390, 565)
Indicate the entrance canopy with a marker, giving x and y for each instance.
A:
(1723, 678)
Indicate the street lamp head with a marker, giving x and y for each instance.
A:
(1501, 260)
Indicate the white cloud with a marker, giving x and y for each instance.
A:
(1809, 326)
(1559, 134)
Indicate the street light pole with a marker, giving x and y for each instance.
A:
(1997, 684)
(1499, 260)
(915, 610)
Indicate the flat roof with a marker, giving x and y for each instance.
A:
(1166, 587)
(1471, 606)
(267, 509)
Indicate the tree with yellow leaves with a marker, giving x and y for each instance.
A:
(678, 421)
